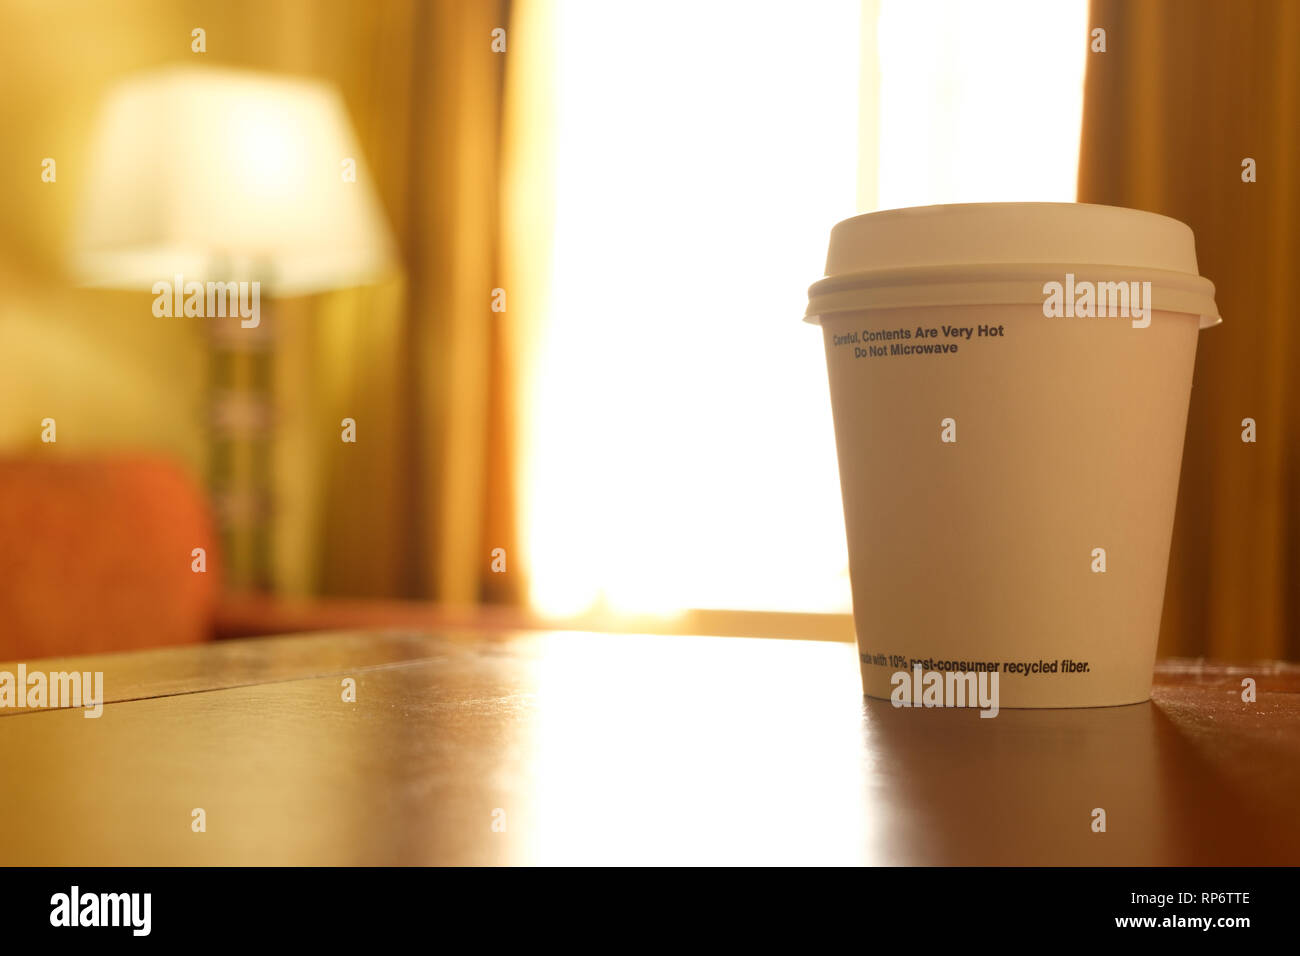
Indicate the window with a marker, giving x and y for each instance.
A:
(678, 450)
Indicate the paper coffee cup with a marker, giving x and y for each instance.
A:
(1010, 383)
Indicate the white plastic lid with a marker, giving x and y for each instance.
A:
(1003, 253)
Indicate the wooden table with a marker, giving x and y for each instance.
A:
(547, 747)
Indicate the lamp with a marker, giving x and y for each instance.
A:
(233, 176)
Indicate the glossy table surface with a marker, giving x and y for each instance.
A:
(561, 747)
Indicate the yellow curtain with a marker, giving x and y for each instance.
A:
(456, 344)
(416, 506)
(1185, 93)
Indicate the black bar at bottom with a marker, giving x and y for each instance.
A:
(329, 907)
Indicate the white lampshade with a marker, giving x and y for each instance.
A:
(195, 170)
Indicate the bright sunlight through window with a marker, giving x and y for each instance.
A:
(680, 451)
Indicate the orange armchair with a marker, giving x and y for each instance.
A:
(96, 555)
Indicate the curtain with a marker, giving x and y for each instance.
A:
(1186, 91)
(437, 493)
(416, 507)
(455, 349)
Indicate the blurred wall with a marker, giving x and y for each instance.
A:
(410, 358)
